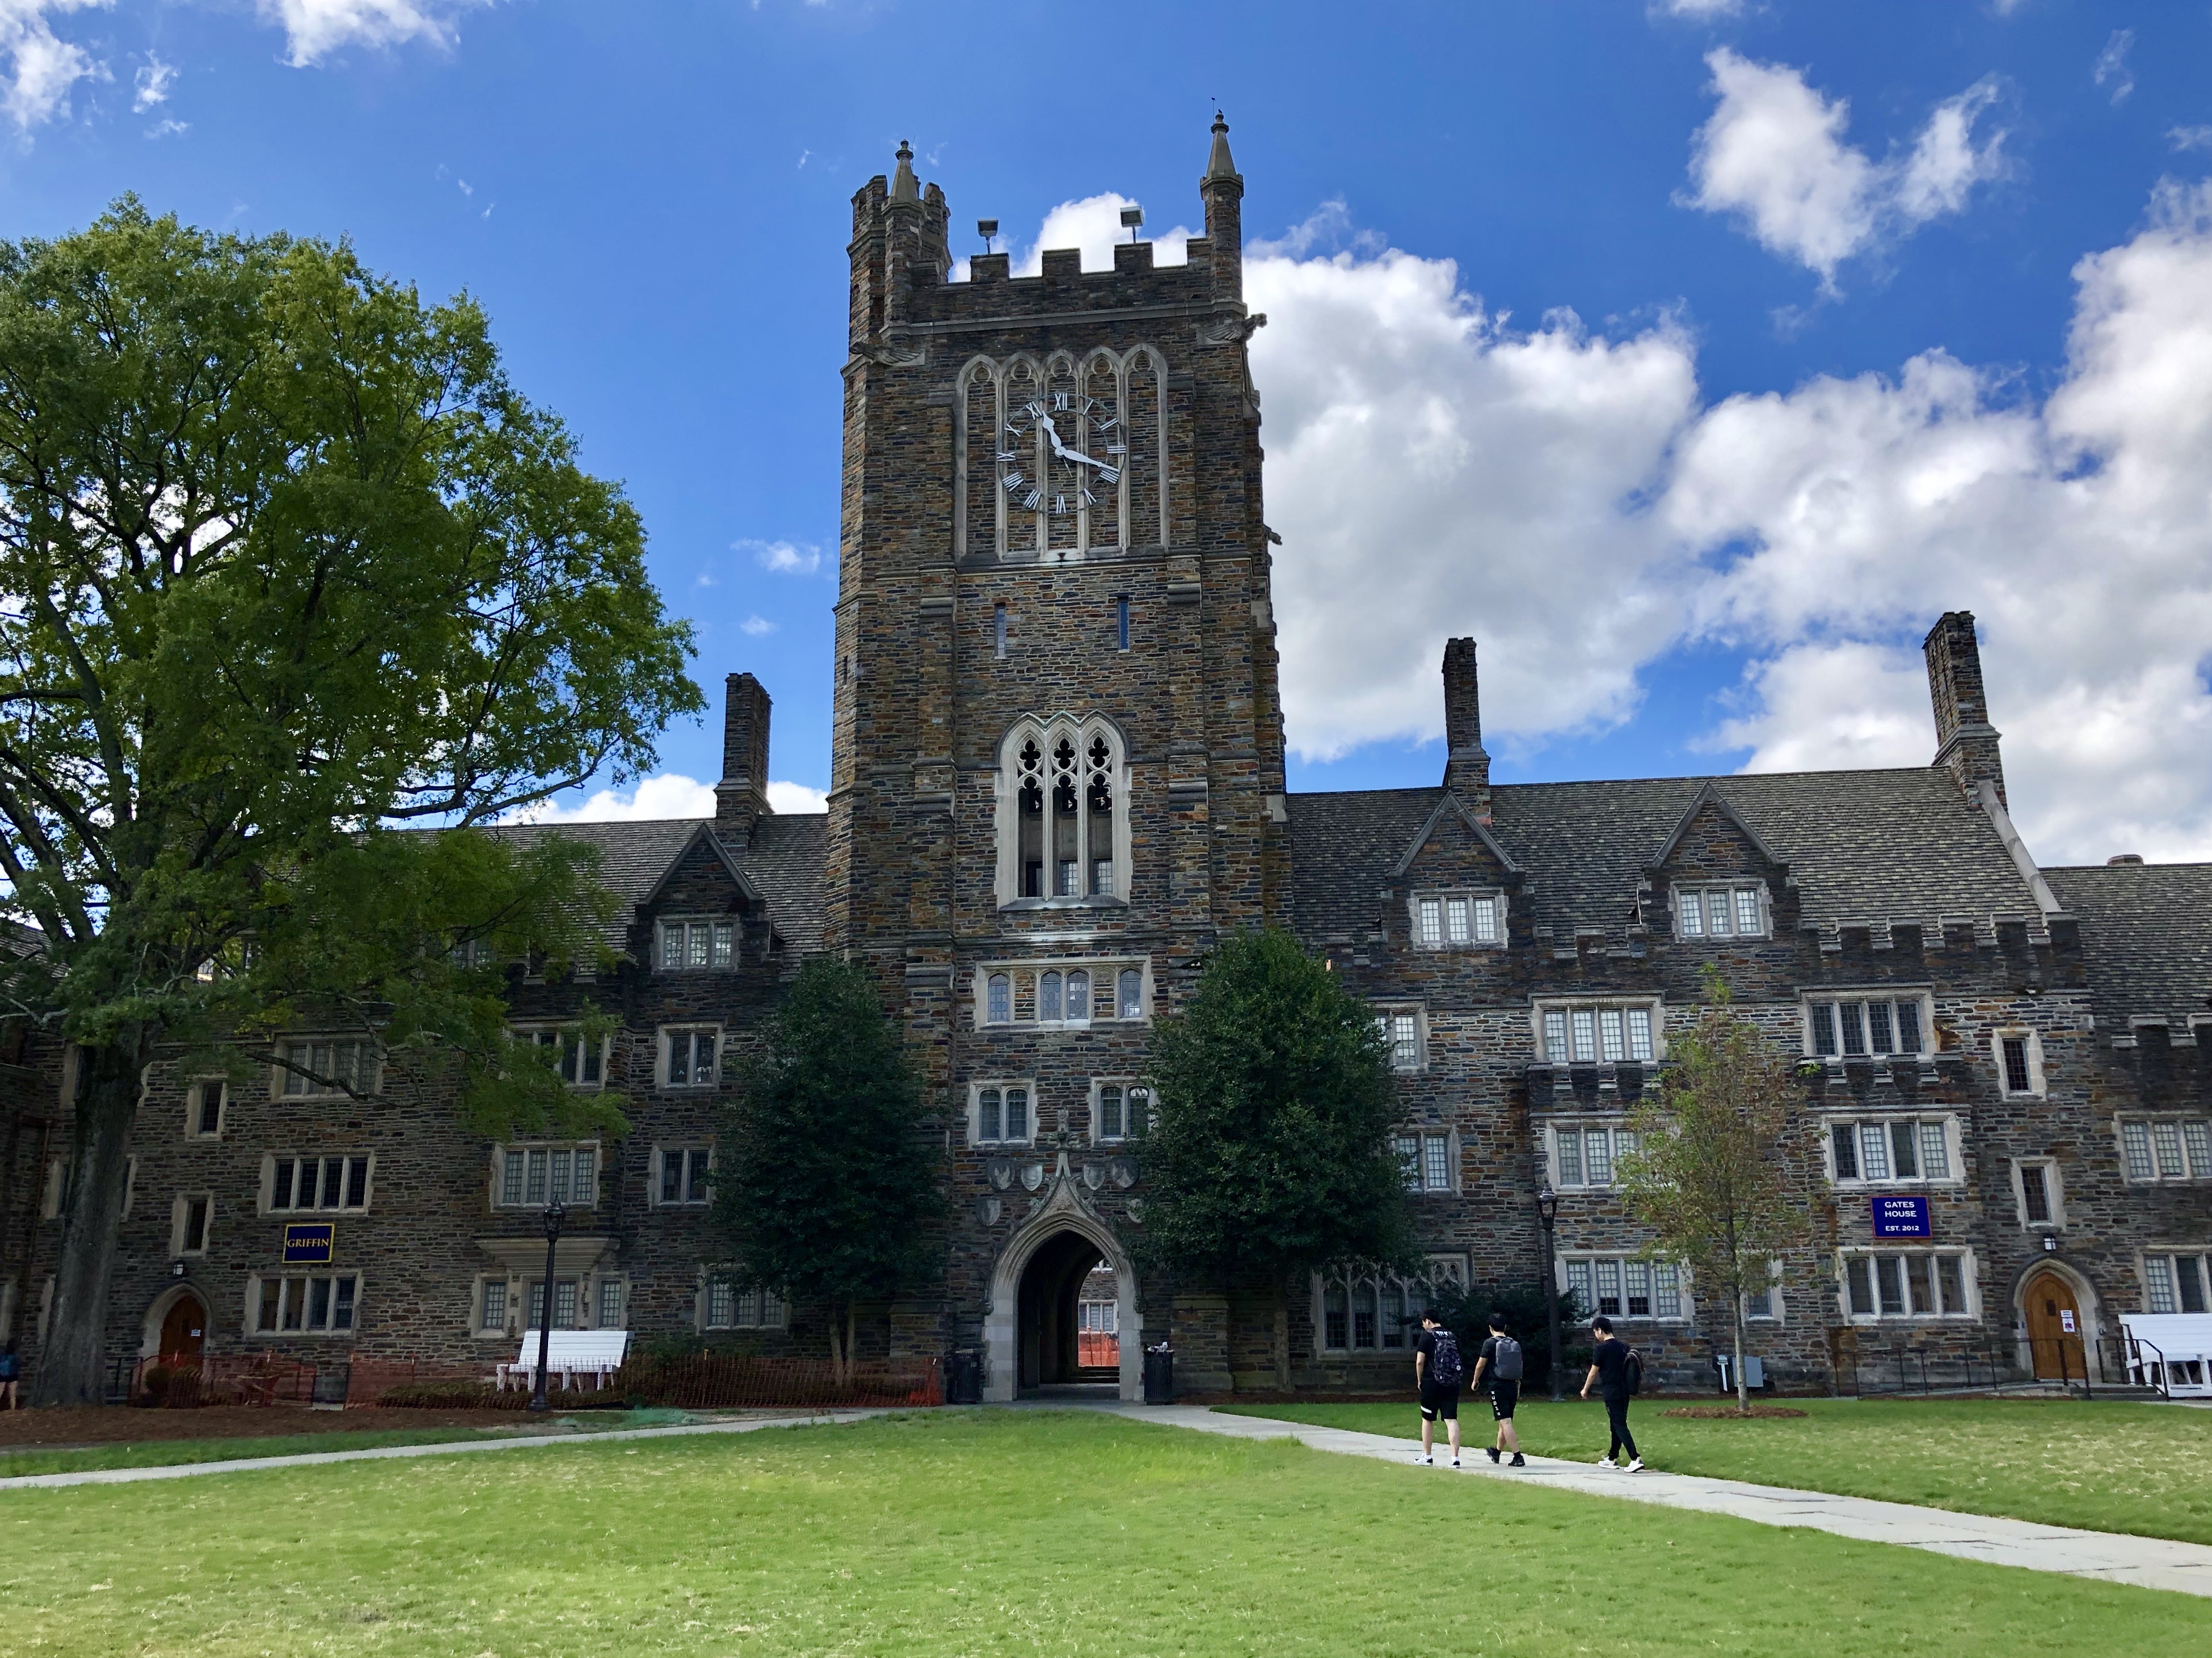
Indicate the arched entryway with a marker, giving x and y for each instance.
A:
(1050, 1310)
(176, 1327)
(1031, 1330)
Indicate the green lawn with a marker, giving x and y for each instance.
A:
(987, 1531)
(162, 1453)
(2141, 1468)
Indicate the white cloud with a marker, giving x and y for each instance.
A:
(666, 794)
(39, 66)
(1094, 225)
(2186, 138)
(1569, 499)
(796, 800)
(1432, 471)
(1701, 11)
(154, 78)
(756, 626)
(315, 28)
(167, 128)
(2112, 69)
(783, 557)
(1773, 155)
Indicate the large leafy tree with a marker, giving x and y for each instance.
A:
(1269, 1154)
(288, 568)
(1709, 1178)
(827, 1191)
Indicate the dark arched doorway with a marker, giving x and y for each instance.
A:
(184, 1331)
(1050, 1322)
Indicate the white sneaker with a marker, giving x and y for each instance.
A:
(1636, 1466)
(1605, 1463)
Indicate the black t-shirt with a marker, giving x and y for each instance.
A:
(1611, 1358)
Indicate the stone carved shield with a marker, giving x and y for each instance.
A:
(987, 1210)
(1002, 1173)
(1124, 1173)
(1094, 1176)
(1032, 1175)
(1137, 1209)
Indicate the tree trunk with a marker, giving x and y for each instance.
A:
(840, 1346)
(1742, 1393)
(71, 1371)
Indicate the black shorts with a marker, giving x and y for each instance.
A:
(1503, 1396)
(1439, 1403)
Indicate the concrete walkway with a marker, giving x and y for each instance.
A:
(2147, 1562)
(386, 1453)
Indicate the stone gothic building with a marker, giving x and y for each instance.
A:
(1058, 777)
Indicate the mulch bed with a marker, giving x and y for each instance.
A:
(117, 1424)
(1728, 1412)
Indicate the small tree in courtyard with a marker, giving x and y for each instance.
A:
(286, 565)
(1270, 1151)
(1708, 1177)
(827, 1190)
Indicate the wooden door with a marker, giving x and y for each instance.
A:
(2054, 1329)
(184, 1332)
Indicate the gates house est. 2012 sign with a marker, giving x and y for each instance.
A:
(1902, 1217)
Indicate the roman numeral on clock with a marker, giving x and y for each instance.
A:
(1011, 482)
(1109, 475)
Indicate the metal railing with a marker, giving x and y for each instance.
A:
(2074, 1365)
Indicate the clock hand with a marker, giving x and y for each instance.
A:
(1078, 456)
(1052, 432)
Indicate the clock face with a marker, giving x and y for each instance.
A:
(1058, 451)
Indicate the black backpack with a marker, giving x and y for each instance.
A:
(1508, 1359)
(1631, 1372)
(1446, 1368)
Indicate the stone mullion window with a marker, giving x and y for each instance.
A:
(1062, 792)
(1907, 1283)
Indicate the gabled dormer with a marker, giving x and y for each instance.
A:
(703, 914)
(1452, 887)
(1713, 879)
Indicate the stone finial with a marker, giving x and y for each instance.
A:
(1965, 742)
(904, 187)
(1467, 765)
(1218, 162)
(1223, 190)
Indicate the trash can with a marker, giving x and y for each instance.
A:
(1159, 1376)
(963, 1378)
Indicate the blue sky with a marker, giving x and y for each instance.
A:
(1835, 362)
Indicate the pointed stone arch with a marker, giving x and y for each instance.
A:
(1064, 1210)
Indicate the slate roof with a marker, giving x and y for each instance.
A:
(2147, 931)
(1862, 846)
(784, 861)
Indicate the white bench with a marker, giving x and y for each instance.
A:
(2183, 1342)
(571, 1353)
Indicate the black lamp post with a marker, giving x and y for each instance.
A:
(555, 1213)
(1547, 1211)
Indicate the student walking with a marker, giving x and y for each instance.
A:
(1500, 1359)
(11, 1371)
(1437, 1371)
(1617, 1373)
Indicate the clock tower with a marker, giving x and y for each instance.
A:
(1057, 747)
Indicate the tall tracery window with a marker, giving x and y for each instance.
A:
(1062, 797)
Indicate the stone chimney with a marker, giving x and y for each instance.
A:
(1466, 767)
(741, 798)
(1965, 742)
(1222, 189)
